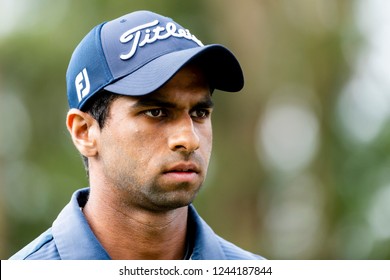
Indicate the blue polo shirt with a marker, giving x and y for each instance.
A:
(71, 238)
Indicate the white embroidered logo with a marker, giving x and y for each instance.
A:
(151, 36)
(82, 88)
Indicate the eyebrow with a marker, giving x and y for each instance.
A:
(154, 101)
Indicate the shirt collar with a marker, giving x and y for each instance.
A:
(206, 244)
(72, 234)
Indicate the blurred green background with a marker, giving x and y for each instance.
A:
(301, 159)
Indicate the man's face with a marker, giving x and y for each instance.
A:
(155, 149)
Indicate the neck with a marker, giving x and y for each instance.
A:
(128, 232)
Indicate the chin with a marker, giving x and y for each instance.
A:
(169, 202)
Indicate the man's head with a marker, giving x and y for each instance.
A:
(139, 88)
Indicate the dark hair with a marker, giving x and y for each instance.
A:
(99, 108)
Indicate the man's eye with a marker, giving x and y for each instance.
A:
(155, 113)
(200, 113)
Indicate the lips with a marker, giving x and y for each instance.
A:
(186, 167)
(184, 172)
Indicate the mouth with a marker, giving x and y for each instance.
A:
(183, 168)
(182, 172)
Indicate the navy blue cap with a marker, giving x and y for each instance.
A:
(138, 53)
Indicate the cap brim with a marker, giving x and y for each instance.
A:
(221, 67)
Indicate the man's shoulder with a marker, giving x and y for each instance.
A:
(233, 252)
(42, 248)
(210, 246)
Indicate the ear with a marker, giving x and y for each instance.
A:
(83, 129)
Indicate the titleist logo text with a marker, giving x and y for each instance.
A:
(150, 36)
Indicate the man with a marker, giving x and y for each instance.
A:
(139, 89)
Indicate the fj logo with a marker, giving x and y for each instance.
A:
(82, 84)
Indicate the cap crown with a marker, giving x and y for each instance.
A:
(119, 47)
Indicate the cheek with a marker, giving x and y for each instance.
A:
(206, 141)
(125, 157)
(141, 145)
(208, 131)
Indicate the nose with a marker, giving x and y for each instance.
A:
(184, 136)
